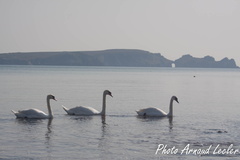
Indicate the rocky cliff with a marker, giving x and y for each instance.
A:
(206, 62)
(114, 57)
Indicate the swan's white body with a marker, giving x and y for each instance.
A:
(89, 111)
(80, 110)
(156, 112)
(151, 111)
(36, 113)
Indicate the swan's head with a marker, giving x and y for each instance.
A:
(51, 97)
(175, 98)
(107, 92)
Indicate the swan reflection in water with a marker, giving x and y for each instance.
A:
(48, 141)
(87, 118)
(103, 119)
(31, 125)
(49, 130)
(104, 139)
(149, 119)
(35, 129)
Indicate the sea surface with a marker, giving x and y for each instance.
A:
(205, 125)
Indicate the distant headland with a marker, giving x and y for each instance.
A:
(112, 57)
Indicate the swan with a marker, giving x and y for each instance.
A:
(88, 111)
(36, 113)
(156, 112)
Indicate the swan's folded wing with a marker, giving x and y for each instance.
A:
(81, 110)
(151, 111)
(30, 113)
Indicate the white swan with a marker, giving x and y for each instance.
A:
(156, 112)
(88, 111)
(36, 113)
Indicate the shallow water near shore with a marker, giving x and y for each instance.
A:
(207, 115)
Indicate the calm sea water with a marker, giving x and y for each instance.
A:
(207, 116)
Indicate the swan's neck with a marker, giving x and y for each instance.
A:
(49, 108)
(104, 105)
(170, 114)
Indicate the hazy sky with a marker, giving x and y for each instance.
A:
(170, 27)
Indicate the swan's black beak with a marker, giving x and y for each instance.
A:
(110, 94)
(176, 99)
